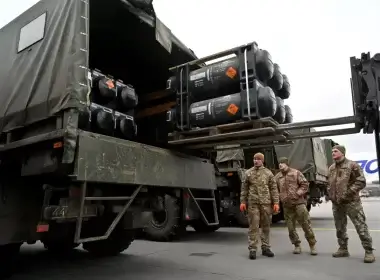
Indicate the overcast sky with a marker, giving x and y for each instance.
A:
(312, 41)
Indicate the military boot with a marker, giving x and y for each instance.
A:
(369, 256)
(267, 252)
(341, 253)
(252, 255)
(297, 249)
(313, 250)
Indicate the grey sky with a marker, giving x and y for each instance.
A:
(312, 42)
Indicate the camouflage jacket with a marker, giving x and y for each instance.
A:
(346, 179)
(259, 187)
(292, 186)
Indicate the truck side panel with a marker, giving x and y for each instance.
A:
(110, 160)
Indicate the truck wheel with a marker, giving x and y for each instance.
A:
(8, 256)
(119, 240)
(200, 226)
(241, 219)
(166, 225)
(60, 247)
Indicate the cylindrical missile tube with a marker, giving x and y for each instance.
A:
(280, 111)
(103, 89)
(223, 77)
(289, 115)
(125, 126)
(227, 108)
(102, 120)
(277, 80)
(127, 97)
(284, 92)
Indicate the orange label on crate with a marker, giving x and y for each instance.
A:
(110, 84)
(231, 72)
(232, 109)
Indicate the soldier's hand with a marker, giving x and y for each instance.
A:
(243, 207)
(343, 199)
(300, 193)
(276, 208)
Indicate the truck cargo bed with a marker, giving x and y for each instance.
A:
(106, 159)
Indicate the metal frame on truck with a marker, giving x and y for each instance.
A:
(365, 96)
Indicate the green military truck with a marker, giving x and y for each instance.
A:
(81, 159)
(312, 156)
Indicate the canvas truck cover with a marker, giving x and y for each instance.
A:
(328, 148)
(42, 65)
(44, 56)
(233, 153)
(306, 155)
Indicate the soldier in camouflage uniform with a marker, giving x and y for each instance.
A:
(293, 187)
(346, 179)
(259, 192)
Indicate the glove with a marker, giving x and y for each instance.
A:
(276, 208)
(243, 207)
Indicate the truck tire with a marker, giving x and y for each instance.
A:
(60, 247)
(8, 258)
(200, 226)
(60, 238)
(119, 240)
(166, 225)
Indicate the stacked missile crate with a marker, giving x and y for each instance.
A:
(111, 109)
(246, 88)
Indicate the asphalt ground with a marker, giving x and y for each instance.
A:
(220, 255)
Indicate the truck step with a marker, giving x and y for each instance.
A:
(128, 199)
(212, 199)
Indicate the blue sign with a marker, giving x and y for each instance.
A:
(369, 166)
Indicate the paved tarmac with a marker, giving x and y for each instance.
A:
(220, 255)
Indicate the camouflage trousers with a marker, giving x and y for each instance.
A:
(298, 213)
(259, 216)
(354, 210)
